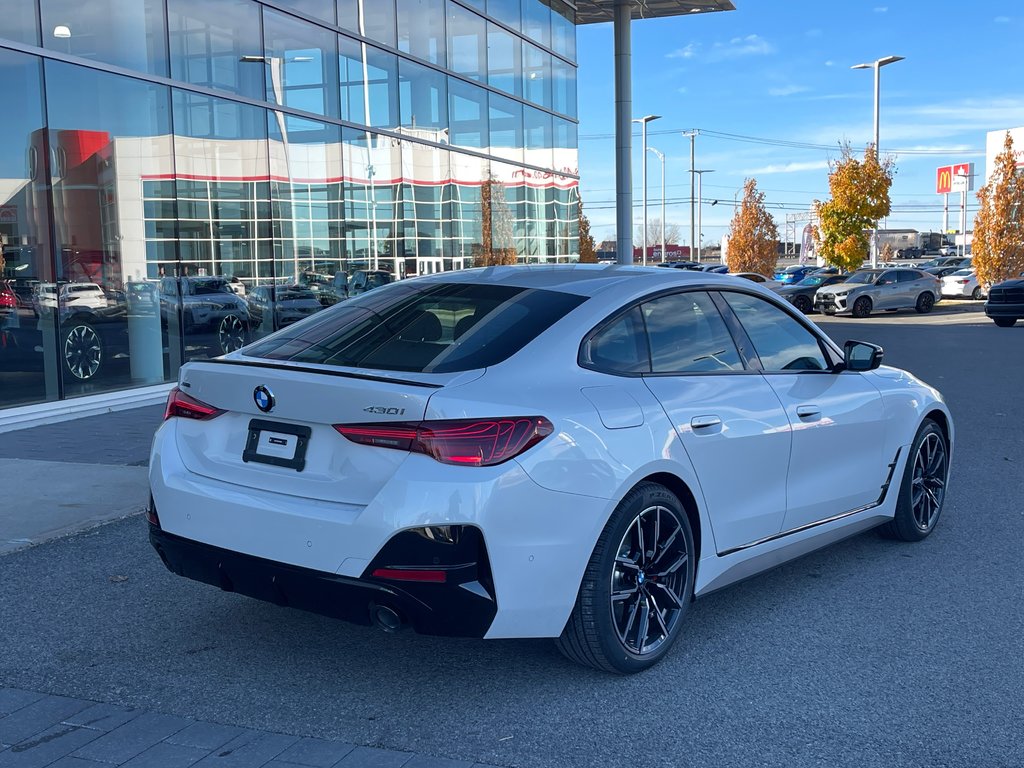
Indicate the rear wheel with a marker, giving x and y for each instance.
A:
(925, 302)
(977, 294)
(862, 307)
(637, 586)
(1004, 322)
(803, 304)
(923, 489)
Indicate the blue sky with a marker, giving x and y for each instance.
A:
(780, 70)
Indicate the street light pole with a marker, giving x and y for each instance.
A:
(699, 173)
(661, 157)
(643, 175)
(693, 136)
(877, 65)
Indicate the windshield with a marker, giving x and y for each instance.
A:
(864, 278)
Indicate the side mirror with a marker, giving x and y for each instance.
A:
(862, 356)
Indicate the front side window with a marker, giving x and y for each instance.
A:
(781, 342)
(688, 335)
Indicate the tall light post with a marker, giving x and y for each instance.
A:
(699, 172)
(643, 126)
(661, 156)
(877, 65)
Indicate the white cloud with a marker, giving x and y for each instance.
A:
(881, 8)
(807, 165)
(736, 48)
(683, 89)
(1001, 19)
(689, 52)
(787, 90)
(830, 63)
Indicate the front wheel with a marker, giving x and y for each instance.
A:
(925, 303)
(803, 304)
(82, 351)
(231, 334)
(923, 489)
(862, 307)
(1004, 322)
(637, 586)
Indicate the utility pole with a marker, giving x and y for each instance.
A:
(693, 216)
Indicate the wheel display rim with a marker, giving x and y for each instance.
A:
(83, 352)
(649, 580)
(231, 334)
(928, 487)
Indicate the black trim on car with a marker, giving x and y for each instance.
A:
(464, 605)
(305, 369)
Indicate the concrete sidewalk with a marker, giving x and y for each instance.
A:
(67, 477)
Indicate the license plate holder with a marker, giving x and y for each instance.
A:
(277, 444)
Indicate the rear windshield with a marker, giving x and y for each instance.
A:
(205, 287)
(423, 328)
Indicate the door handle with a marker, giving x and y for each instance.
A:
(808, 411)
(703, 422)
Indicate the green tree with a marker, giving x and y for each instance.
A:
(588, 253)
(998, 243)
(860, 199)
(753, 236)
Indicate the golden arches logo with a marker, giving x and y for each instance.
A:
(944, 180)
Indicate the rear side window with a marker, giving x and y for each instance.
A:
(906, 276)
(423, 328)
(619, 347)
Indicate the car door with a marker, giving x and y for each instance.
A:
(886, 291)
(837, 419)
(727, 417)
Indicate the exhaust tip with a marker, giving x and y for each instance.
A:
(386, 618)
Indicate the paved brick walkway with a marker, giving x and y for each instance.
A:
(37, 730)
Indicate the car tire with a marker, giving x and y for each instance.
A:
(923, 489)
(977, 294)
(803, 304)
(81, 351)
(862, 307)
(925, 303)
(1004, 322)
(231, 334)
(627, 615)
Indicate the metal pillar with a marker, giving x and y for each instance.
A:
(623, 137)
(693, 222)
(643, 155)
(945, 213)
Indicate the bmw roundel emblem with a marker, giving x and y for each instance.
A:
(264, 399)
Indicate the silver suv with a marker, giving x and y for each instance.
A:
(869, 289)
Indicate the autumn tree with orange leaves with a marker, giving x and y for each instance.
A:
(753, 235)
(860, 199)
(998, 243)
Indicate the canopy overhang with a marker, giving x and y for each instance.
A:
(598, 11)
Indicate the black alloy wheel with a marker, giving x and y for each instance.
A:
(83, 351)
(231, 334)
(862, 307)
(923, 490)
(1004, 322)
(637, 586)
(925, 302)
(802, 303)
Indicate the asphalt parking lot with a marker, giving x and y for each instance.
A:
(869, 653)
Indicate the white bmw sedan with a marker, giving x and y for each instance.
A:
(574, 452)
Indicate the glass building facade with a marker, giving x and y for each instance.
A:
(179, 177)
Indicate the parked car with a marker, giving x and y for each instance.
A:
(801, 295)
(868, 290)
(962, 283)
(1005, 304)
(692, 265)
(941, 272)
(910, 252)
(720, 269)
(364, 280)
(754, 277)
(67, 296)
(289, 304)
(946, 261)
(334, 486)
(328, 289)
(8, 299)
(793, 274)
(212, 313)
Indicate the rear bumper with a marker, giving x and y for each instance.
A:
(463, 606)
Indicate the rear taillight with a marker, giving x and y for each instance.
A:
(469, 442)
(187, 407)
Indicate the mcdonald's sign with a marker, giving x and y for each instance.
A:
(944, 180)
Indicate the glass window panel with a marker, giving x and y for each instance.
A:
(224, 144)
(378, 18)
(563, 87)
(620, 347)
(373, 174)
(19, 21)
(467, 115)
(301, 64)
(480, 5)
(506, 127)
(688, 335)
(536, 75)
(469, 175)
(781, 342)
(506, 11)
(503, 207)
(467, 42)
(427, 210)
(348, 14)
(208, 41)
(504, 60)
(566, 157)
(372, 89)
(539, 138)
(28, 346)
(322, 9)
(128, 33)
(424, 97)
(421, 29)
(563, 29)
(104, 153)
(537, 21)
